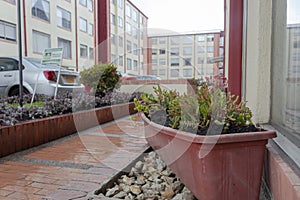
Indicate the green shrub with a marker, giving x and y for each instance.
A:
(102, 78)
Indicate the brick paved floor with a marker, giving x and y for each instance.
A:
(71, 167)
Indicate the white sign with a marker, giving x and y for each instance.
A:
(52, 56)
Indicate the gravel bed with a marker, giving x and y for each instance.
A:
(149, 179)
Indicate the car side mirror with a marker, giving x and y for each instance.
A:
(2, 68)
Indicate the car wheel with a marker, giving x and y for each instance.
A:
(15, 92)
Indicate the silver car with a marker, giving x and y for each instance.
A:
(44, 77)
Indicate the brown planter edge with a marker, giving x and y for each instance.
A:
(32, 133)
(231, 170)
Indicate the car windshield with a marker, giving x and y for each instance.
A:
(37, 62)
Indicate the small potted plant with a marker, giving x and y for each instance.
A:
(207, 139)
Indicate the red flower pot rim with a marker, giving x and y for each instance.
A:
(211, 139)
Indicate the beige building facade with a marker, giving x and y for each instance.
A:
(186, 56)
(50, 24)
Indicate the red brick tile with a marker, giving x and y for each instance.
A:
(65, 194)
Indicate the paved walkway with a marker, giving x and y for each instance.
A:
(72, 167)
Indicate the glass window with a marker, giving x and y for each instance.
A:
(128, 10)
(200, 71)
(135, 49)
(187, 61)
(91, 29)
(120, 41)
(41, 9)
(134, 15)
(82, 24)
(154, 72)
(175, 40)
(201, 49)
(162, 40)
(200, 60)
(66, 45)
(187, 72)
(174, 72)
(162, 51)
(129, 46)
(162, 61)
(210, 38)
(120, 22)
(162, 72)
(128, 28)
(113, 59)
(135, 32)
(174, 51)
(112, 19)
(121, 60)
(113, 39)
(154, 40)
(154, 51)
(90, 5)
(201, 38)
(188, 40)
(91, 53)
(174, 61)
(40, 41)
(210, 49)
(129, 64)
(114, 2)
(135, 65)
(187, 50)
(82, 2)
(8, 64)
(7, 31)
(120, 3)
(63, 18)
(154, 62)
(83, 50)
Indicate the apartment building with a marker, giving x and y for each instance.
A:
(122, 36)
(50, 24)
(185, 56)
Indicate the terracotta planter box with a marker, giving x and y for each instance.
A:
(226, 167)
(32, 133)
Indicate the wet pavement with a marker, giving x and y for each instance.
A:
(71, 167)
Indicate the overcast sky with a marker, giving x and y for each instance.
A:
(183, 16)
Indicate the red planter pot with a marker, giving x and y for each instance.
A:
(226, 167)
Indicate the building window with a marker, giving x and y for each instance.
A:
(200, 60)
(297, 44)
(174, 51)
(175, 40)
(188, 40)
(154, 40)
(134, 15)
(154, 62)
(63, 18)
(162, 51)
(120, 3)
(66, 45)
(210, 38)
(113, 2)
(135, 49)
(201, 38)
(83, 50)
(113, 39)
(91, 29)
(162, 40)
(113, 59)
(210, 49)
(128, 10)
(7, 31)
(174, 72)
(90, 5)
(128, 28)
(135, 65)
(154, 72)
(41, 9)
(91, 53)
(112, 19)
(40, 41)
(162, 61)
(135, 32)
(162, 72)
(121, 60)
(187, 50)
(82, 24)
(121, 41)
(128, 46)
(120, 22)
(154, 51)
(200, 71)
(174, 61)
(187, 61)
(129, 64)
(201, 49)
(187, 72)
(210, 70)
(82, 2)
